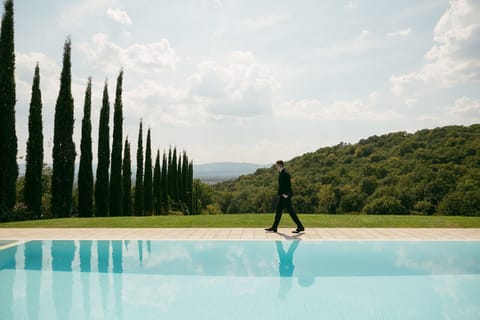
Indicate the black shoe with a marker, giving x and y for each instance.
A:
(271, 229)
(298, 230)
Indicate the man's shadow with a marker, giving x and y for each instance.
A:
(296, 236)
(286, 268)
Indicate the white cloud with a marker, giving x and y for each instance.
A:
(265, 21)
(119, 15)
(453, 59)
(400, 33)
(162, 105)
(351, 5)
(145, 58)
(465, 108)
(363, 35)
(314, 109)
(239, 86)
(75, 13)
(235, 87)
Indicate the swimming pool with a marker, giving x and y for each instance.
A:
(240, 280)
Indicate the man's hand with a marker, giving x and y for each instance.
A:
(285, 196)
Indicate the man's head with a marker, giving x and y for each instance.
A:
(279, 165)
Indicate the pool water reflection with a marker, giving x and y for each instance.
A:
(240, 280)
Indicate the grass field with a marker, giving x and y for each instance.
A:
(255, 221)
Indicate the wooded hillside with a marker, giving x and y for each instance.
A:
(429, 172)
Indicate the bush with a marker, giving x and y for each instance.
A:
(460, 203)
(424, 207)
(368, 185)
(212, 209)
(384, 205)
(327, 199)
(352, 202)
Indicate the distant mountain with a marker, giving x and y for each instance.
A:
(208, 172)
(221, 171)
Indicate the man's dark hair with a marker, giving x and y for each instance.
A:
(280, 163)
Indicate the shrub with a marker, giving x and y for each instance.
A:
(460, 203)
(212, 209)
(352, 202)
(424, 207)
(384, 205)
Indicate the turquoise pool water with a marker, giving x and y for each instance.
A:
(240, 280)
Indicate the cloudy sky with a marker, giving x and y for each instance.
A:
(256, 81)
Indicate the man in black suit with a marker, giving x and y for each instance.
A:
(284, 199)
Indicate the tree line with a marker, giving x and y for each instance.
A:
(432, 171)
(161, 187)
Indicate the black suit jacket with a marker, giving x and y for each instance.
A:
(284, 183)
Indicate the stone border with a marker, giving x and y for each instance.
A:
(381, 234)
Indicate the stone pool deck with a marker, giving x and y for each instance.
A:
(450, 234)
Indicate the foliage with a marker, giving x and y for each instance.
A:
(127, 180)
(139, 175)
(428, 172)
(85, 170)
(33, 174)
(103, 163)
(63, 145)
(157, 198)
(212, 209)
(147, 178)
(116, 162)
(8, 137)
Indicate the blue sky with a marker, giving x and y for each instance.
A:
(256, 81)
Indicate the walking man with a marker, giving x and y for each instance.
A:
(284, 199)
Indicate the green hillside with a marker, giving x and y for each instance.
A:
(429, 172)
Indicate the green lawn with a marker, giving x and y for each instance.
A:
(254, 221)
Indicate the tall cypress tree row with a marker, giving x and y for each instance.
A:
(101, 182)
(127, 180)
(116, 170)
(8, 137)
(85, 171)
(157, 196)
(63, 145)
(164, 184)
(33, 173)
(147, 183)
(139, 175)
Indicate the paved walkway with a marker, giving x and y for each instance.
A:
(241, 233)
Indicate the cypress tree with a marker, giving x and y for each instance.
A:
(180, 179)
(147, 183)
(33, 173)
(173, 169)
(85, 171)
(169, 177)
(164, 184)
(116, 170)
(139, 175)
(185, 175)
(8, 137)
(63, 145)
(157, 196)
(101, 182)
(127, 180)
(190, 187)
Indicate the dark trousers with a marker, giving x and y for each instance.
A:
(286, 203)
